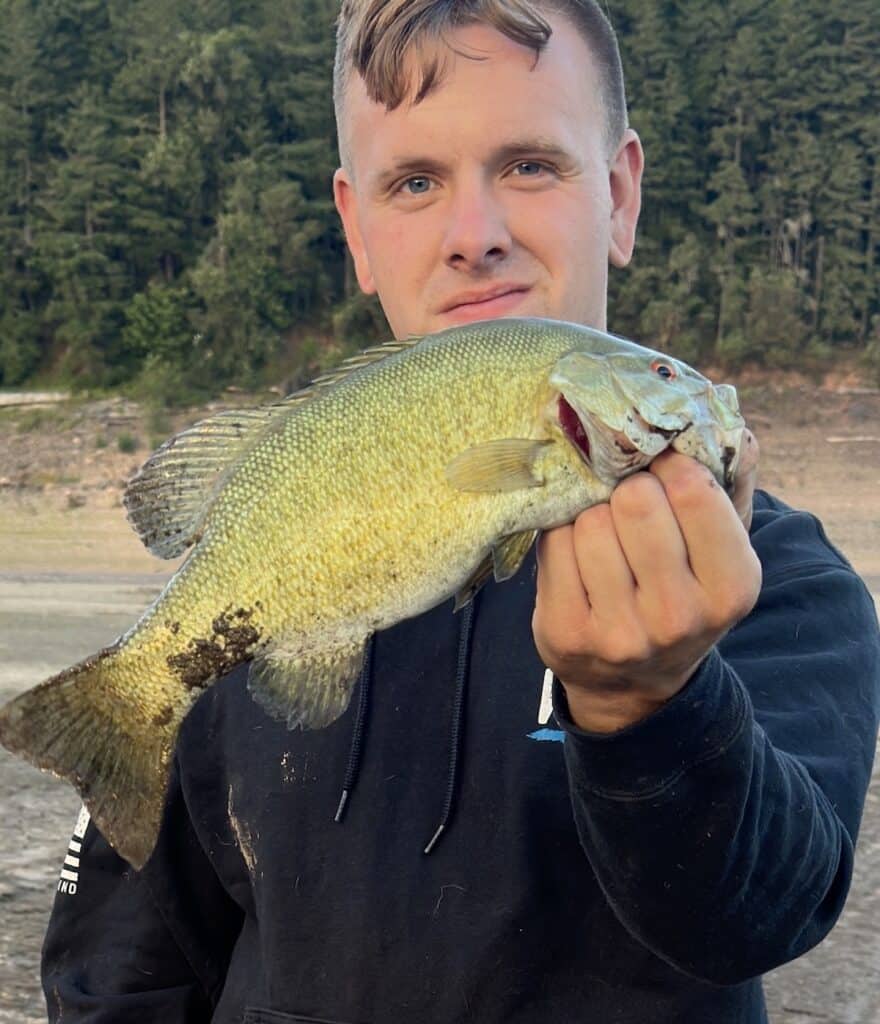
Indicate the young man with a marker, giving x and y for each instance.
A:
(684, 824)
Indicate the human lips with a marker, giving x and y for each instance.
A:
(485, 305)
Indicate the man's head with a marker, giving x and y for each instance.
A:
(440, 108)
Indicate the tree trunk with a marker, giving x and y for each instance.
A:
(869, 259)
(820, 260)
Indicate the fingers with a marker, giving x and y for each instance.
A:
(561, 598)
(652, 544)
(720, 554)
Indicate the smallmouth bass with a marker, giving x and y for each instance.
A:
(416, 471)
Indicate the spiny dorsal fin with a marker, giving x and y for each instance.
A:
(169, 499)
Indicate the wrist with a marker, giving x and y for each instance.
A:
(607, 712)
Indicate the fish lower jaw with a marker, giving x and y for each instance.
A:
(614, 456)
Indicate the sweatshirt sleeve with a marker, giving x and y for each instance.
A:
(110, 956)
(721, 828)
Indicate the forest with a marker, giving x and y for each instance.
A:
(167, 225)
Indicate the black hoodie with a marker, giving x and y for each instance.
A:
(643, 877)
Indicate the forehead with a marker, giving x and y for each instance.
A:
(491, 91)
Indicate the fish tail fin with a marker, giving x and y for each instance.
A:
(78, 725)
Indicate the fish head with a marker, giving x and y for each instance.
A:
(622, 409)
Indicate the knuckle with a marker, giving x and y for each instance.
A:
(636, 496)
(557, 641)
(675, 626)
(592, 523)
(734, 604)
(624, 647)
(691, 488)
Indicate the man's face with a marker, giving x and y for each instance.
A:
(498, 179)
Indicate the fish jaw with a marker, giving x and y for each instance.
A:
(715, 435)
(602, 422)
(621, 411)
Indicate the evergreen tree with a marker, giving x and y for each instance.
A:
(166, 208)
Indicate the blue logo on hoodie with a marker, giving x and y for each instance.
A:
(548, 736)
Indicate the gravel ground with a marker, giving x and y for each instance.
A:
(63, 618)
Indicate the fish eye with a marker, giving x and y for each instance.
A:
(663, 369)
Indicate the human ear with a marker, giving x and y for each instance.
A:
(346, 203)
(625, 179)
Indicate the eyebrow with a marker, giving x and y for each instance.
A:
(536, 146)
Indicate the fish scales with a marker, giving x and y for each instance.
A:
(342, 511)
(357, 521)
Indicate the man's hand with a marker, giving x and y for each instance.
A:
(633, 595)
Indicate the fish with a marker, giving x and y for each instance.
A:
(414, 472)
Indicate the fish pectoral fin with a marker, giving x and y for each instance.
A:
(503, 465)
(508, 554)
(307, 688)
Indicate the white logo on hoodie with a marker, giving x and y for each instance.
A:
(69, 880)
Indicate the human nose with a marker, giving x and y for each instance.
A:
(477, 231)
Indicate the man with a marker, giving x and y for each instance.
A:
(687, 821)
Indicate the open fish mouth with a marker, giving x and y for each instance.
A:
(610, 453)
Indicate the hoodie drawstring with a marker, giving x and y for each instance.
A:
(354, 755)
(458, 715)
(458, 711)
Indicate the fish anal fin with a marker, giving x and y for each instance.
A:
(307, 688)
(503, 465)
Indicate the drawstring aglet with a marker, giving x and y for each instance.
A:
(434, 839)
(343, 800)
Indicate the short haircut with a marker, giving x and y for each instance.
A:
(373, 37)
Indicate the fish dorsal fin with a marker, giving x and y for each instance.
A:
(355, 362)
(170, 497)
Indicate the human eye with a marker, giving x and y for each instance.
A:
(415, 178)
(537, 165)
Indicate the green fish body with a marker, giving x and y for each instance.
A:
(416, 471)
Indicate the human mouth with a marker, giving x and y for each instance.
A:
(486, 309)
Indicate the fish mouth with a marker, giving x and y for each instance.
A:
(609, 452)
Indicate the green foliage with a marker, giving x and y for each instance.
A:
(359, 321)
(127, 443)
(166, 221)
